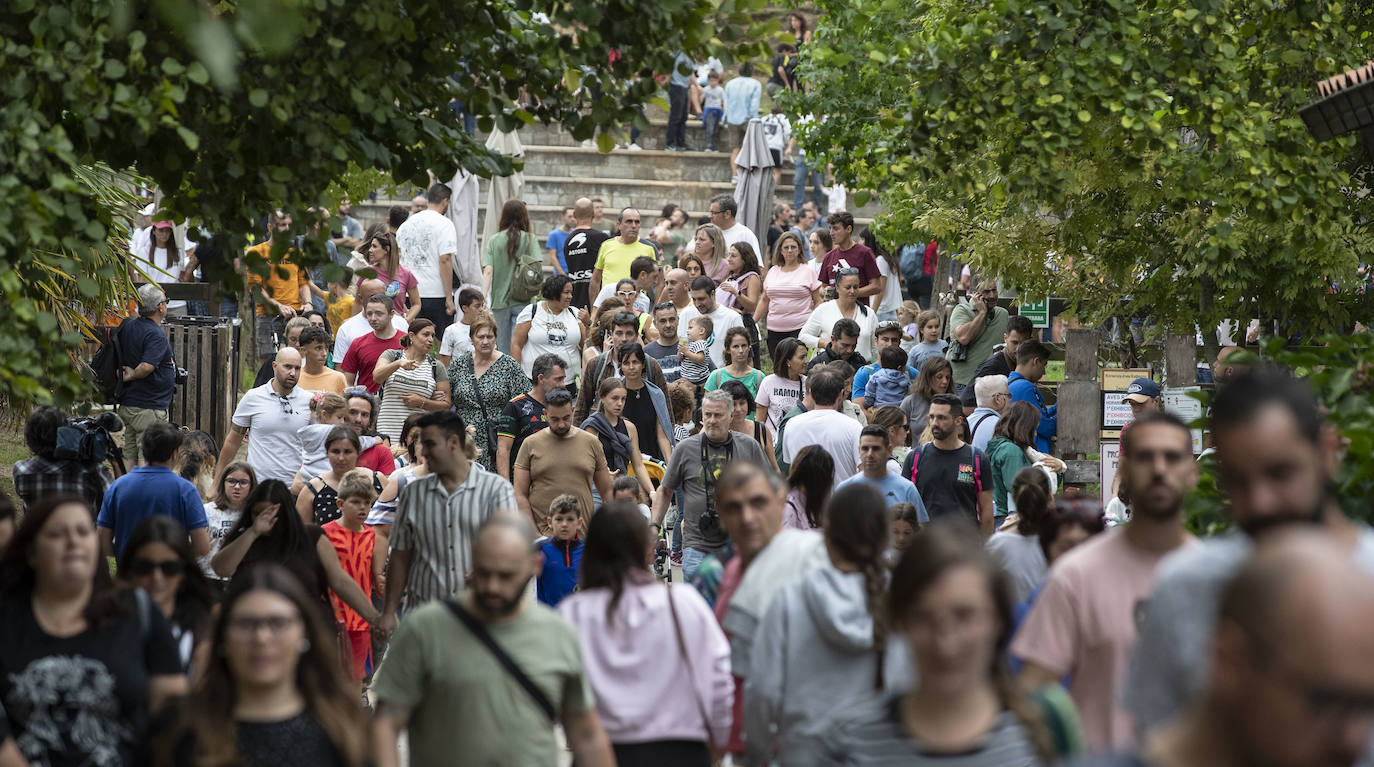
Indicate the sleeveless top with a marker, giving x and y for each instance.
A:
(325, 508)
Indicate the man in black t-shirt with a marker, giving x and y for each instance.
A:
(580, 252)
(524, 414)
(951, 475)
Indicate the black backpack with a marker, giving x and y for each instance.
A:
(108, 359)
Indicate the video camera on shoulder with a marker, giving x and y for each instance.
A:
(88, 440)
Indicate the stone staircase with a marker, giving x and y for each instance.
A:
(559, 169)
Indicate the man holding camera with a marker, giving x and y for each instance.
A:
(146, 370)
(694, 466)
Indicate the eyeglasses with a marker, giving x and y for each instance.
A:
(626, 292)
(237, 482)
(247, 626)
(714, 212)
(170, 568)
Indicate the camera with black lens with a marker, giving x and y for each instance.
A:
(182, 376)
(88, 440)
(708, 523)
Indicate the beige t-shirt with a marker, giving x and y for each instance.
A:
(561, 465)
(329, 380)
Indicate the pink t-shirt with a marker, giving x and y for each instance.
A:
(1084, 624)
(789, 296)
(406, 281)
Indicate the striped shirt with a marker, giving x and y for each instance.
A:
(876, 738)
(437, 527)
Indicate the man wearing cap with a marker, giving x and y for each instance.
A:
(1142, 395)
(146, 370)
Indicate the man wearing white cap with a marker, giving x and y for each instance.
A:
(146, 370)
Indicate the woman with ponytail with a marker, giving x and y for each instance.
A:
(1017, 551)
(952, 605)
(822, 640)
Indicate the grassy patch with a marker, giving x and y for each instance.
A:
(1054, 371)
(12, 449)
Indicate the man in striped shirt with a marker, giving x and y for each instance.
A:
(437, 518)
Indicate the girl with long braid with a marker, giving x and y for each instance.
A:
(820, 645)
(952, 605)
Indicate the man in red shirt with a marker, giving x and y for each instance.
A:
(850, 254)
(363, 353)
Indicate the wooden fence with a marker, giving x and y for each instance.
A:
(208, 349)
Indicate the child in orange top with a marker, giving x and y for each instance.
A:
(355, 544)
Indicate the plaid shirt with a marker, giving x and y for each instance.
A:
(37, 477)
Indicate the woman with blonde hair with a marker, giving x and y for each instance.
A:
(708, 244)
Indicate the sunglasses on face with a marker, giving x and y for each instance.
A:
(170, 568)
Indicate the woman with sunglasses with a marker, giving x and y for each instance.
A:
(816, 332)
(235, 484)
(273, 692)
(893, 418)
(75, 648)
(384, 256)
(158, 560)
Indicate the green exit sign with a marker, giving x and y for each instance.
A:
(1038, 312)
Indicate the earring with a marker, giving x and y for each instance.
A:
(305, 646)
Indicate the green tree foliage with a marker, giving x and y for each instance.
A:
(1341, 372)
(1104, 150)
(236, 107)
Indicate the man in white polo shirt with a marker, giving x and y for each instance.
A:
(357, 326)
(270, 415)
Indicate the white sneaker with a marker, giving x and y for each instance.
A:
(588, 144)
(633, 147)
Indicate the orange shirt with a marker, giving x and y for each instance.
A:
(355, 555)
(284, 280)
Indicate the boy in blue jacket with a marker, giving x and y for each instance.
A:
(1031, 359)
(563, 552)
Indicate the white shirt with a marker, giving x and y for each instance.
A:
(457, 340)
(835, 432)
(423, 238)
(550, 334)
(822, 321)
(356, 327)
(741, 233)
(274, 423)
(641, 300)
(776, 130)
(158, 269)
(722, 319)
(892, 291)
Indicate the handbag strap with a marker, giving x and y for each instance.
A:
(691, 677)
(507, 662)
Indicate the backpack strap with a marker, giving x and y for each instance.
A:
(916, 462)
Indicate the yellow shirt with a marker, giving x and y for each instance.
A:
(283, 283)
(615, 256)
(339, 312)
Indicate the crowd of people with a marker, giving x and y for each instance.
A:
(446, 523)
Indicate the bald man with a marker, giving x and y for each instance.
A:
(357, 326)
(1291, 680)
(678, 287)
(467, 717)
(580, 252)
(273, 413)
(1222, 371)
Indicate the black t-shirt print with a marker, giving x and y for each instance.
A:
(82, 699)
(580, 252)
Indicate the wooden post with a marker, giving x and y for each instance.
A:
(1080, 405)
(1180, 359)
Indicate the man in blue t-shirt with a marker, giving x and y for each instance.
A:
(554, 242)
(146, 372)
(874, 451)
(153, 489)
(888, 333)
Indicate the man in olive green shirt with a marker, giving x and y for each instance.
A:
(458, 703)
(979, 325)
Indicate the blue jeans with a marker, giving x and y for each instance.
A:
(691, 560)
(711, 119)
(799, 179)
(505, 325)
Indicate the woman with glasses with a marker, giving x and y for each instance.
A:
(791, 291)
(274, 692)
(964, 709)
(708, 244)
(75, 649)
(384, 256)
(551, 326)
(482, 381)
(816, 332)
(741, 289)
(158, 559)
(893, 418)
(235, 484)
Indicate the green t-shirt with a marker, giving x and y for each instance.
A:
(465, 708)
(494, 255)
(994, 327)
(751, 380)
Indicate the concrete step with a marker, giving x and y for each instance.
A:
(648, 164)
(652, 138)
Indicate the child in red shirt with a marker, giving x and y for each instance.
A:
(355, 544)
